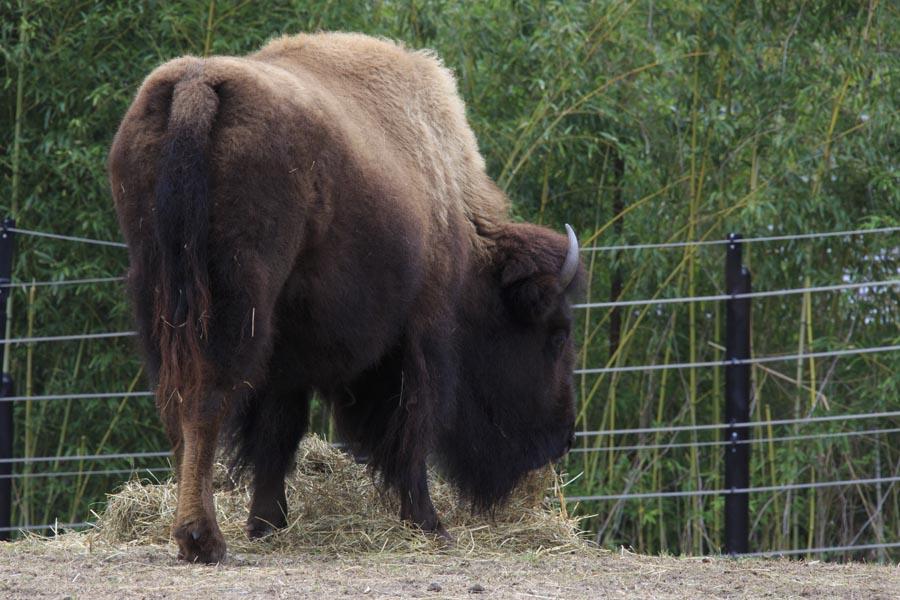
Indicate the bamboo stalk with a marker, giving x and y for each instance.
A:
(30, 441)
(690, 255)
(611, 403)
(657, 472)
(879, 516)
(207, 43)
(798, 382)
(773, 479)
(809, 342)
(584, 354)
(16, 158)
(76, 499)
(545, 188)
(20, 111)
(718, 515)
(812, 511)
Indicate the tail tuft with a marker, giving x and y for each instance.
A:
(182, 303)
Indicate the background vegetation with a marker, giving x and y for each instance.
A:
(636, 121)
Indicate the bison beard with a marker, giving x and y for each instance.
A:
(316, 216)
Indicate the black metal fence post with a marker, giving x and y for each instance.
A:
(737, 401)
(6, 388)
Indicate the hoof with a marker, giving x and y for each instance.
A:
(200, 542)
(263, 521)
(258, 528)
(268, 510)
(439, 530)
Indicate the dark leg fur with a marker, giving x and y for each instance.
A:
(425, 361)
(415, 501)
(387, 415)
(267, 434)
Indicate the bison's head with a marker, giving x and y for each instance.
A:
(514, 409)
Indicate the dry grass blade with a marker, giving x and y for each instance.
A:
(336, 507)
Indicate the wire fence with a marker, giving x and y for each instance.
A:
(752, 240)
(91, 473)
(68, 338)
(600, 435)
(55, 528)
(67, 238)
(724, 426)
(81, 457)
(719, 297)
(739, 361)
(720, 443)
(725, 492)
(825, 550)
(87, 396)
(63, 282)
(662, 245)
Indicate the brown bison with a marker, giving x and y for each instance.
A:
(316, 216)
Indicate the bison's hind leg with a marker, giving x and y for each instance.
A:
(266, 434)
(195, 529)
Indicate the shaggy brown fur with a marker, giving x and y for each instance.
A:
(317, 216)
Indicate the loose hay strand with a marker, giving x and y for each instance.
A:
(335, 507)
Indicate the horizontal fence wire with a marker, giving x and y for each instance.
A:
(55, 527)
(116, 395)
(64, 338)
(770, 238)
(689, 365)
(68, 238)
(719, 443)
(738, 361)
(83, 473)
(614, 304)
(40, 459)
(823, 550)
(785, 487)
(797, 421)
(62, 282)
(574, 450)
(764, 294)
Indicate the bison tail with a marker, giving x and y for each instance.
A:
(182, 301)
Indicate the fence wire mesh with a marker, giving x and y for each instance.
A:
(783, 488)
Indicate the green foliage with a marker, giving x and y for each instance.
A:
(640, 121)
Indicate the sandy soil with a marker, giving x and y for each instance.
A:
(345, 541)
(64, 569)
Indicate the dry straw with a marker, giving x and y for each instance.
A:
(336, 507)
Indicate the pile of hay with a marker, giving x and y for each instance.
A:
(335, 506)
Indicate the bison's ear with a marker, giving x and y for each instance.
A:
(533, 298)
(536, 267)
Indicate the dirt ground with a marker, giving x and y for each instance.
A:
(69, 569)
(345, 541)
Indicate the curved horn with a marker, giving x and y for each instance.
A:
(570, 266)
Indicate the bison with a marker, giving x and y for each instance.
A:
(317, 216)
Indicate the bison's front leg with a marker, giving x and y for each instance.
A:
(195, 529)
(416, 505)
(425, 384)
